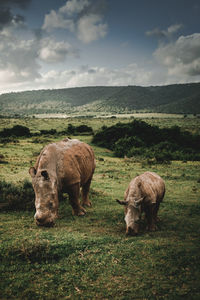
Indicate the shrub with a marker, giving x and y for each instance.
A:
(76, 130)
(49, 132)
(124, 145)
(17, 130)
(84, 129)
(140, 139)
(71, 129)
(16, 197)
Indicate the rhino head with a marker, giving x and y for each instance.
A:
(46, 197)
(132, 214)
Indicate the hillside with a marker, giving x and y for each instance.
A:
(179, 98)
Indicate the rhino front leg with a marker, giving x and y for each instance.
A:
(85, 194)
(74, 193)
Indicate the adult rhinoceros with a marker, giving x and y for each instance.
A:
(63, 166)
(144, 193)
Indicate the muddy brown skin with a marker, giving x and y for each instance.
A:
(144, 194)
(62, 167)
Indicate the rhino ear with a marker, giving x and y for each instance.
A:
(45, 174)
(32, 172)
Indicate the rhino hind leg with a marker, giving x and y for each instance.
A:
(85, 193)
(74, 193)
(155, 212)
(149, 212)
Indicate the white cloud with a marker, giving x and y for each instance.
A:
(84, 76)
(74, 6)
(182, 57)
(21, 58)
(90, 28)
(132, 74)
(174, 28)
(18, 58)
(53, 52)
(77, 17)
(96, 76)
(57, 20)
(171, 30)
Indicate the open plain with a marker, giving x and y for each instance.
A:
(90, 257)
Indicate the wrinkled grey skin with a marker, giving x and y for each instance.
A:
(144, 194)
(65, 166)
(46, 200)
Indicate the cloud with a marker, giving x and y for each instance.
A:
(18, 59)
(22, 54)
(96, 76)
(54, 52)
(83, 18)
(56, 20)
(65, 17)
(181, 57)
(21, 58)
(160, 34)
(90, 28)
(18, 56)
(7, 18)
(81, 76)
(74, 6)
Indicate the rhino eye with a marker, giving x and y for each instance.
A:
(45, 175)
(137, 221)
(50, 205)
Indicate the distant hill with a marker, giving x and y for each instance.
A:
(178, 98)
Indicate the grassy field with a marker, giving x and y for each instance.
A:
(90, 257)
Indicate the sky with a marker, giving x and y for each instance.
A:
(50, 44)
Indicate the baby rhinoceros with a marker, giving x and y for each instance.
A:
(144, 194)
(64, 166)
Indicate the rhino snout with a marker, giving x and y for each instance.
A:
(132, 230)
(43, 220)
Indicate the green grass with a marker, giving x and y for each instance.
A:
(90, 257)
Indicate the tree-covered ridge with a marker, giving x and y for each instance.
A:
(178, 98)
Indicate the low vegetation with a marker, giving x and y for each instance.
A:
(90, 257)
(16, 196)
(141, 139)
(22, 131)
(17, 130)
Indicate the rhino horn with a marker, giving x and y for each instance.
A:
(122, 202)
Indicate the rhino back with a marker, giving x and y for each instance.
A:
(69, 160)
(149, 186)
(78, 164)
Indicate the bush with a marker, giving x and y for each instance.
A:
(48, 132)
(84, 129)
(17, 130)
(140, 139)
(16, 197)
(76, 130)
(123, 145)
